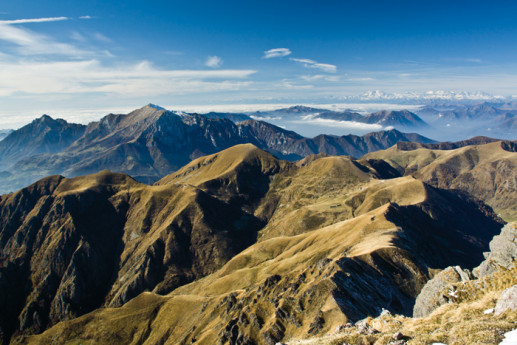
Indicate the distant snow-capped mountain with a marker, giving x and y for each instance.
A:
(432, 95)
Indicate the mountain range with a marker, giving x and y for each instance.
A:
(151, 142)
(239, 247)
(402, 119)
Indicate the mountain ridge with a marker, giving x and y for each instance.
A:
(149, 143)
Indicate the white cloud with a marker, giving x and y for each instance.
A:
(361, 79)
(214, 62)
(34, 20)
(289, 84)
(28, 42)
(313, 64)
(85, 17)
(352, 125)
(277, 52)
(325, 77)
(91, 76)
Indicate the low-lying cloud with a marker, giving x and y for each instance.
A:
(352, 125)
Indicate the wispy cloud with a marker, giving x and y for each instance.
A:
(28, 42)
(361, 79)
(289, 84)
(314, 64)
(91, 76)
(277, 52)
(33, 20)
(100, 37)
(85, 17)
(76, 36)
(324, 77)
(214, 62)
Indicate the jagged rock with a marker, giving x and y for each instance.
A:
(432, 295)
(363, 327)
(503, 252)
(347, 325)
(508, 300)
(385, 313)
(398, 336)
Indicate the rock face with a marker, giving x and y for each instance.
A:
(503, 252)
(439, 290)
(507, 301)
(152, 142)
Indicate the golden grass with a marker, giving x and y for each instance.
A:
(486, 171)
(461, 322)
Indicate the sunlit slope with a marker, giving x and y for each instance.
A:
(488, 172)
(69, 246)
(305, 284)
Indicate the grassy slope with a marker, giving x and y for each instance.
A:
(488, 172)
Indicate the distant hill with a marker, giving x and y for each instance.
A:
(43, 135)
(152, 142)
(402, 119)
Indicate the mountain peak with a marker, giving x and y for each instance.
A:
(44, 119)
(154, 106)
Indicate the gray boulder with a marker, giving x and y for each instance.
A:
(508, 300)
(503, 252)
(439, 290)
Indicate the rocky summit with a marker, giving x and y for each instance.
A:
(239, 247)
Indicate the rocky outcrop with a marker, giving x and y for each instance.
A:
(439, 290)
(507, 301)
(503, 252)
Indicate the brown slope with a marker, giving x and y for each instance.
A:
(302, 285)
(487, 171)
(132, 237)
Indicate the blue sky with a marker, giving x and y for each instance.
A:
(82, 56)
